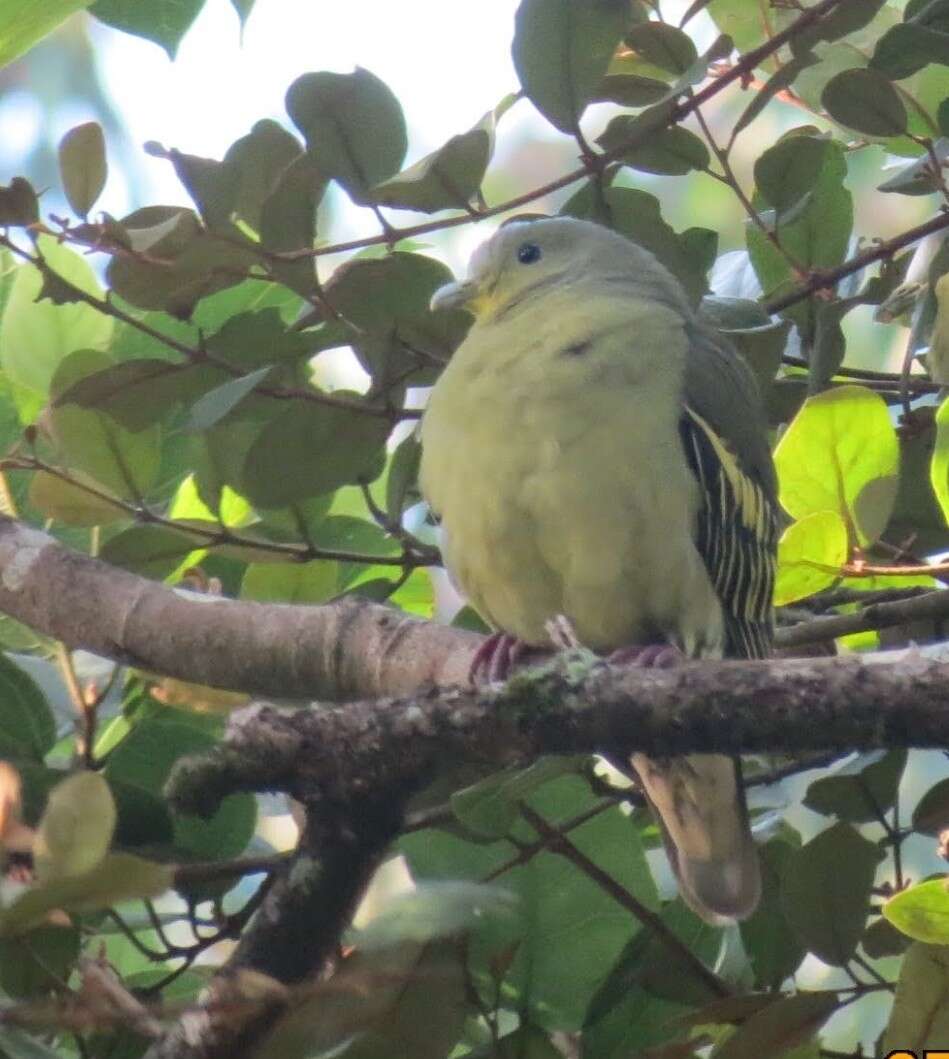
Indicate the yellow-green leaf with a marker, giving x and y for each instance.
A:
(921, 912)
(920, 1016)
(76, 829)
(83, 166)
(841, 454)
(810, 555)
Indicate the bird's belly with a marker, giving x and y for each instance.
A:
(588, 515)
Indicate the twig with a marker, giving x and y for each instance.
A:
(558, 842)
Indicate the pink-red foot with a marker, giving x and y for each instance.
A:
(495, 658)
(648, 656)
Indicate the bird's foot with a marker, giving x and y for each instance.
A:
(562, 633)
(647, 656)
(495, 658)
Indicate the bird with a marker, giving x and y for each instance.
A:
(597, 454)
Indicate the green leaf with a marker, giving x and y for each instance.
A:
(24, 22)
(152, 551)
(288, 221)
(939, 467)
(448, 177)
(817, 236)
(117, 877)
(76, 829)
(674, 151)
(163, 21)
(943, 117)
(905, 49)
(243, 9)
(27, 725)
(882, 939)
(340, 446)
(144, 759)
(387, 299)
(921, 912)
(840, 454)
(920, 1016)
(859, 792)
(19, 205)
(931, 815)
(260, 159)
(789, 170)
(826, 892)
(811, 553)
(83, 165)
(865, 100)
(313, 582)
(125, 463)
(773, 947)
(211, 184)
(36, 965)
(561, 51)
(402, 480)
(353, 125)
(637, 215)
(37, 335)
(216, 403)
(779, 1027)
(70, 503)
(662, 45)
(918, 177)
(630, 90)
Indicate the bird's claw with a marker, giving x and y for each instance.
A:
(647, 656)
(495, 658)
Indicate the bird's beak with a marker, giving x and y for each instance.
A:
(455, 296)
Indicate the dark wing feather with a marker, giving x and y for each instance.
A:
(736, 535)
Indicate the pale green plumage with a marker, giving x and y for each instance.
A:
(579, 450)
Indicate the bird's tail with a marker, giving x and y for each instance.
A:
(700, 807)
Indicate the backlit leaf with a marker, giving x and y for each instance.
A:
(83, 166)
(921, 912)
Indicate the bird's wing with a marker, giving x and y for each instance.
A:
(736, 535)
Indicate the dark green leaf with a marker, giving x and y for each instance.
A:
(401, 483)
(943, 117)
(354, 127)
(671, 150)
(817, 236)
(865, 100)
(861, 792)
(259, 159)
(449, 177)
(163, 21)
(931, 815)
(144, 759)
(152, 551)
(918, 177)
(27, 726)
(774, 949)
(920, 1016)
(83, 166)
(212, 185)
(826, 892)
(216, 403)
(779, 1027)
(789, 170)
(630, 90)
(18, 203)
(340, 447)
(905, 49)
(288, 221)
(561, 51)
(636, 214)
(36, 964)
(662, 45)
(882, 939)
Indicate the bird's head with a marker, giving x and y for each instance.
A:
(527, 259)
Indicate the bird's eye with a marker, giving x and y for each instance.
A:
(528, 253)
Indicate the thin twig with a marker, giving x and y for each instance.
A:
(559, 843)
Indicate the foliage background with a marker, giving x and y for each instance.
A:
(152, 459)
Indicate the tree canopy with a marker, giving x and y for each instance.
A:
(169, 421)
